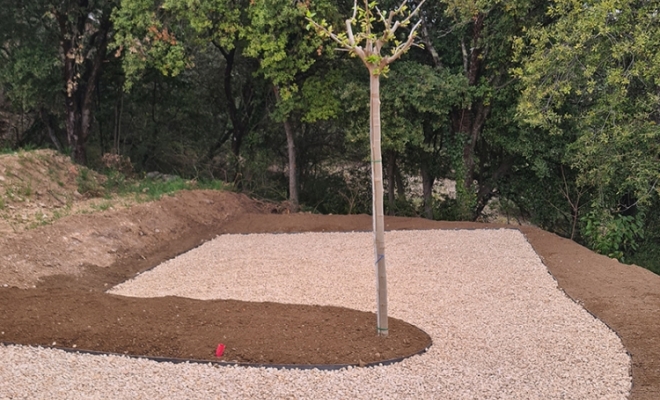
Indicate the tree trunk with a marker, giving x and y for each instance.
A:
(291, 150)
(238, 127)
(469, 121)
(45, 117)
(119, 109)
(293, 179)
(400, 187)
(378, 214)
(427, 187)
(391, 168)
(81, 76)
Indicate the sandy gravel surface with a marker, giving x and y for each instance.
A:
(501, 328)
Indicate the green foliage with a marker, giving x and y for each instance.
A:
(163, 35)
(647, 255)
(361, 40)
(593, 74)
(277, 39)
(613, 234)
(149, 189)
(87, 183)
(27, 75)
(318, 98)
(349, 194)
(151, 34)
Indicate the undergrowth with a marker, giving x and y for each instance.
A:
(148, 189)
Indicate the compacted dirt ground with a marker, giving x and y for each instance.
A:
(53, 281)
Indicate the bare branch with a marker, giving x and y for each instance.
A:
(398, 52)
(354, 10)
(395, 27)
(465, 56)
(360, 53)
(383, 19)
(426, 39)
(409, 17)
(325, 30)
(395, 12)
(349, 32)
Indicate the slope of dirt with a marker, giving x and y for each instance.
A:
(38, 187)
(68, 265)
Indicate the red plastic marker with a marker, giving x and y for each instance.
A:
(220, 350)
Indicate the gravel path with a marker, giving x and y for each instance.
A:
(500, 326)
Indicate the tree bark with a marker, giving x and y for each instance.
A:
(81, 75)
(469, 121)
(238, 127)
(378, 213)
(391, 169)
(45, 117)
(427, 188)
(291, 150)
(293, 177)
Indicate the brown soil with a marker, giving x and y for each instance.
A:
(63, 269)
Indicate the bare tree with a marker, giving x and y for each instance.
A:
(368, 45)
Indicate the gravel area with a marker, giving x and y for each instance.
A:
(501, 327)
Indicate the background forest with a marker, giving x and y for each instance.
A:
(537, 111)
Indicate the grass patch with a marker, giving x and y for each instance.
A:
(102, 206)
(26, 190)
(149, 189)
(10, 150)
(87, 184)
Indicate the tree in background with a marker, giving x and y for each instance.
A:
(368, 45)
(473, 40)
(592, 76)
(73, 35)
(276, 37)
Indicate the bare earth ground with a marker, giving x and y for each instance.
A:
(53, 278)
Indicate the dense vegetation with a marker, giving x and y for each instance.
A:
(546, 111)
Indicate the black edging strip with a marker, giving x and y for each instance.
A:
(321, 367)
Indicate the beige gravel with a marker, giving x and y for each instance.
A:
(501, 328)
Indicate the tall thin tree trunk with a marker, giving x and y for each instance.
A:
(49, 127)
(81, 77)
(291, 150)
(293, 179)
(391, 168)
(427, 188)
(119, 108)
(378, 214)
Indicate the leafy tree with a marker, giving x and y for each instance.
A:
(472, 40)
(592, 76)
(285, 50)
(368, 46)
(165, 35)
(71, 36)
